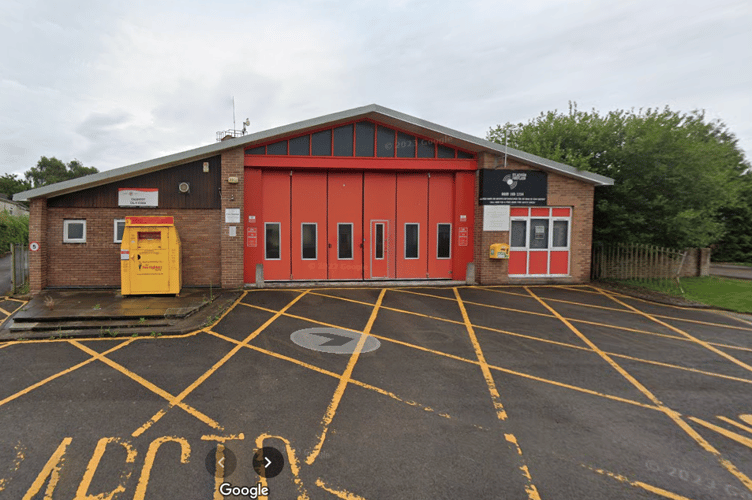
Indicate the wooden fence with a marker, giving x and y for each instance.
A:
(636, 262)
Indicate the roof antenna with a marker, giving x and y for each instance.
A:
(505, 147)
(233, 112)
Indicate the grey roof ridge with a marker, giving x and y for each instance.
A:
(205, 151)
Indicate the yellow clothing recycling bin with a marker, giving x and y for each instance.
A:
(499, 251)
(150, 256)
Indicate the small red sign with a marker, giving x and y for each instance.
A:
(33, 246)
(148, 220)
(462, 236)
(251, 238)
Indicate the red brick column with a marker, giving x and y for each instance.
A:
(38, 233)
(231, 248)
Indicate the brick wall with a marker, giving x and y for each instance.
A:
(38, 259)
(562, 192)
(96, 263)
(232, 197)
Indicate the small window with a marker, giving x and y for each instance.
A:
(518, 236)
(343, 141)
(321, 143)
(345, 241)
(119, 228)
(561, 233)
(444, 239)
(411, 241)
(405, 145)
(379, 241)
(426, 148)
(256, 151)
(300, 145)
(444, 151)
(74, 231)
(278, 148)
(538, 233)
(272, 241)
(364, 132)
(464, 154)
(385, 142)
(308, 236)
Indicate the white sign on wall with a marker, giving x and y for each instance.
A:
(138, 197)
(232, 216)
(496, 217)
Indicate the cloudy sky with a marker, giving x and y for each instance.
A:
(115, 83)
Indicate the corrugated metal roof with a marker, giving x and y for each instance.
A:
(372, 111)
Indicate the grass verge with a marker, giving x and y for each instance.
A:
(726, 293)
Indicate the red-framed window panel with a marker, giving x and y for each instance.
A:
(540, 241)
(400, 139)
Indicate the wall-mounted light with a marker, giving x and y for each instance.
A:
(184, 187)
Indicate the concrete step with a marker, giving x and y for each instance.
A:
(103, 325)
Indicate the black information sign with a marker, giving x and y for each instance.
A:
(513, 187)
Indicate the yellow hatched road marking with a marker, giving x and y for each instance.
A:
(343, 494)
(52, 470)
(639, 484)
(692, 338)
(530, 489)
(153, 388)
(340, 390)
(554, 342)
(292, 460)
(673, 415)
(61, 373)
(4, 312)
(177, 400)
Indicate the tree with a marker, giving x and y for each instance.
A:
(52, 170)
(673, 172)
(10, 185)
(736, 244)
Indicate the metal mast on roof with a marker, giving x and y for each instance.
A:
(505, 147)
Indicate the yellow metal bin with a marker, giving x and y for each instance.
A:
(150, 256)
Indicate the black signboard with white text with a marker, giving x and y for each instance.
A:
(513, 187)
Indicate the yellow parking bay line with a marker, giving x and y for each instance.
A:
(673, 415)
(177, 400)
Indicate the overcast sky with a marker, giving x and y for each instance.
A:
(115, 83)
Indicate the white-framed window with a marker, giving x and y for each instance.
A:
(308, 240)
(345, 241)
(74, 231)
(272, 243)
(412, 240)
(443, 241)
(119, 228)
(379, 243)
(543, 240)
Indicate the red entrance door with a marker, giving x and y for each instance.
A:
(308, 226)
(379, 206)
(345, 239)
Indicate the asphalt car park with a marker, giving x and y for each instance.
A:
(471, 392)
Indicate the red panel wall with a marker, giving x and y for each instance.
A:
(276, 208)
(464, 221)
(253, 232)
(379, 204)
(309, 206)
(440, 211)
(412, 207)
(346, 206)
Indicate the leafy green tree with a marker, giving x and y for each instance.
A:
(10, 184)
(52, 170)
(673, 172)
(736, 243)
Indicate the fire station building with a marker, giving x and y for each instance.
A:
(368, 194)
